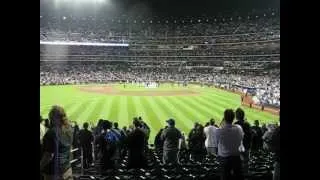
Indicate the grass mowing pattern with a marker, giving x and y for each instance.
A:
(186, 110)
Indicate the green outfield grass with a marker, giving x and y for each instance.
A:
(89, 107)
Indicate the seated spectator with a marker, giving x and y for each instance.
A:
(209, 132)
(228, 139)
(57, 144)
(197, 144)
(136, 146)
(256, 137)
(86, 140)
(171, 137)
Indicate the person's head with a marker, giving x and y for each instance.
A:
(240, 114)
(196, 124)
(124, 128)
(137, 123)
(41, 120)
(85, 125)
(140, 118)
(171, 122)
(115, 125)
(57, 116)
(228, 116)
(212, 122)
(106, 125)
(100, 122)
(207, 124)
(256, 123)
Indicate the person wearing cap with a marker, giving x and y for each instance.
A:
(170, 137)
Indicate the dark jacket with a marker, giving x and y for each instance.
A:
(247, 134)
(136, 142)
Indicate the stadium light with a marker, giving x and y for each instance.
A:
(273, 14)
(143, 21)
(64, 18)
(135, 21)
(264, 15)
(151, 22)
(40, 16)
(199, 20)
(230, 19)
(257, 16)
(175, 21)
(167, 21)
(207, 20)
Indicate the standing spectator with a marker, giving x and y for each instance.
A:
(267, 137)
(106, 147)
(264, 128)
(47, 124)
(117, 133)
(171, 136)
(86, 139)
(145, 128)
(57, 144)
(256, 137)
(228, 140)
(76, 142)
(209, 132)
(193, 130)
(158, 143)
(136, 146)
(42, 133)
(197, 144)
(246, 139)
(275, 148)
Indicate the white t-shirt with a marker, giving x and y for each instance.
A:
(209, 131)
(229, 139)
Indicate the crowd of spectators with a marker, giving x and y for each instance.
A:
(233, 143)
(123, 30)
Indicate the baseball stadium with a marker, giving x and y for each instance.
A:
(130, 90)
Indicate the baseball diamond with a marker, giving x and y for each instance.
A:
(187, 105)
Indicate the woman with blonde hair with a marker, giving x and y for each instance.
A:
(57, 144)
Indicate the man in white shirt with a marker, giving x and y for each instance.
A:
(42, 130)
(228, 139)
(209, 143)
